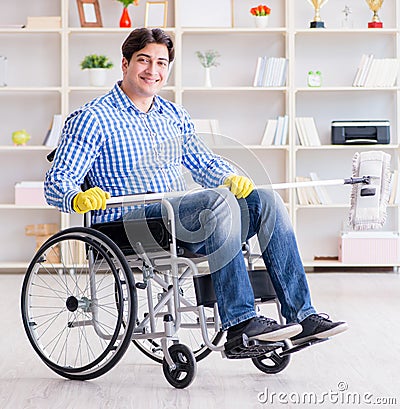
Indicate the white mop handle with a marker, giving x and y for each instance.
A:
(310, 183)
(157, 197)
(129, 200)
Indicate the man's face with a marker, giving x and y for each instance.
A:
(146, 72)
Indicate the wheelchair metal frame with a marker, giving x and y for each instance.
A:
(179, 363)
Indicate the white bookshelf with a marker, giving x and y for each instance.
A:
(45, 78)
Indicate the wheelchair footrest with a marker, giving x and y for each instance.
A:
(299, 347)
(243, 347)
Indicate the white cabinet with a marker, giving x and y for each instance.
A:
(44, 78)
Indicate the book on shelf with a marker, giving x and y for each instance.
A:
(270, 72)
(307, 195)
(276, 131)
(208, 129)
(322, 192)
(376, 72)
(46, 22)
(53, 134)
(257, 73)
(269, 133)
(307, 131)
(394, 197)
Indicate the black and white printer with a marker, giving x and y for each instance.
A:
(360, 132)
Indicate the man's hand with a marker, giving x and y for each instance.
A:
(240, 186)
(92, 199)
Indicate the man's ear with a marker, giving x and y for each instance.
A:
(124, 64)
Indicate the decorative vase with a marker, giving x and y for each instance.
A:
(207, 77)
(97, 77)
(261, 21)
(125, 20)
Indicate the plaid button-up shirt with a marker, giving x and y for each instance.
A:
(125, 151)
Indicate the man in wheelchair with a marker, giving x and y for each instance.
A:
(131, 141)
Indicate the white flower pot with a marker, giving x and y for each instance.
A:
(97, 77)
(261, 21)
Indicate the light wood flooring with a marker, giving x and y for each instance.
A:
(366, 358)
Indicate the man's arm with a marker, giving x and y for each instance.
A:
(78, 149)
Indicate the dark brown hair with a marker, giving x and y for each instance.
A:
(140, 37)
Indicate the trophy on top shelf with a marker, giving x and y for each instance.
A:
(375, 5)
(317, 4)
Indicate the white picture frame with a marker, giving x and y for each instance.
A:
(156, 14)
(195, 13)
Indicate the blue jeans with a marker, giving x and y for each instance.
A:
(215, 223)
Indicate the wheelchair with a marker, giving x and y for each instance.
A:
(89, 292)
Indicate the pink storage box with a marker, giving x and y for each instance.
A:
(30, 194)
(369, 248)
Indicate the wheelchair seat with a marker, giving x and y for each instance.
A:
(151, 233)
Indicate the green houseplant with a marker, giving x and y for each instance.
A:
(96, 61)
(208, 59)
(97, 65)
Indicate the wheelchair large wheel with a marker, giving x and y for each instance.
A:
(273, 362)
(189, 332)
(69, 307)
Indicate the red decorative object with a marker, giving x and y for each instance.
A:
(375, 24)
(125, 20)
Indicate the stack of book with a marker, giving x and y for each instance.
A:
(312, 195)
(374, 72)
(276, 131)
(307, 131)
(270, 72)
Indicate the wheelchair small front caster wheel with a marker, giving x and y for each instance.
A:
(186, 366)
(273, 362)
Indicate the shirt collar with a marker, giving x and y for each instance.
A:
(123, 102)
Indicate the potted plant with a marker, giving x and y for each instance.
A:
(261, 14)
(97, 66)
(125, 20)
(208, 59)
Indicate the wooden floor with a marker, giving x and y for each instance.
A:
(360, 365)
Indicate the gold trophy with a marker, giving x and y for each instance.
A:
(317, 4)
(375, 5)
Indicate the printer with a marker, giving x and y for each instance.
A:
(360, 132)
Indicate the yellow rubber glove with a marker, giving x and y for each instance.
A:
(240, 186)
(92, 199)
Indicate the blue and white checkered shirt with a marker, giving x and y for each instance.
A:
(125, 151)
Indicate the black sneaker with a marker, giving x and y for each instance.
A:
(263, 329)
(318, 326)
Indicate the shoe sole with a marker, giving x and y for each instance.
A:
(321, 335)
(280, 334)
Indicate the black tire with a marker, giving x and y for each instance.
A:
(190, 335)
(273, 362)
(186, 367)
(68, 306)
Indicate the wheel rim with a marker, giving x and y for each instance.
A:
(185, 366)
(69, 309)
